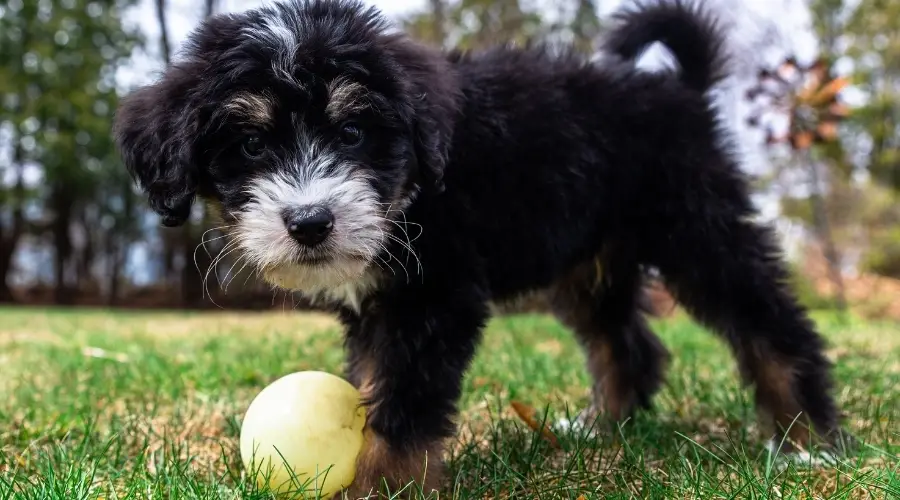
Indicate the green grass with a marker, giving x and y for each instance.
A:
(125, 405)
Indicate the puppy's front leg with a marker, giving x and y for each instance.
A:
(407, 355)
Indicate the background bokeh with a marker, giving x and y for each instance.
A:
(74, 231)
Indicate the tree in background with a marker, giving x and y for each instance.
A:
(807, 96)
(850, 200)
(861, 168)
(57, 81)
(872, 33)
(180, 255)
(67, 203)
(472, 24)
(585, 25)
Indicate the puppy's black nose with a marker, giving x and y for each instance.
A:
(309, 225)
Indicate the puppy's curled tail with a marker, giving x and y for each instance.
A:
(691, 33)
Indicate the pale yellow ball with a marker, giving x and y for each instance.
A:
(313, 422)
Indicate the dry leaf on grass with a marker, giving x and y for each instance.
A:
(526, 413)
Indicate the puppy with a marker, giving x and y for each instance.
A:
(407, 189)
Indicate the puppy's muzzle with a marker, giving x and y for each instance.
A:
(309, 225)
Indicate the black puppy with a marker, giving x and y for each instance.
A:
(407, 189)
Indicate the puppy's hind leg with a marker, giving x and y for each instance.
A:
(600, 302)
(727, 271)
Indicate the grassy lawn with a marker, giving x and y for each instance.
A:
(116, 405)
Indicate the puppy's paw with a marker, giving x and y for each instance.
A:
(584, 422)
(385, 471)
(781, 455)
(593, 420)
(827, 451)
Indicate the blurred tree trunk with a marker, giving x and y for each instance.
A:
(189, 278)
(62, 202)
(195, 262)
(586, 25)
(56, 79)
(873, 31)
(164, 48)
(116, 258)
(439, 14)
(88, 253)
(823, 228)
(9, 238)
(121, 242)
(170, 244)
(169, 277)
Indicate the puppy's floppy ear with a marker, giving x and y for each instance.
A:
(432, 137)
(155, 129)
(434, 97)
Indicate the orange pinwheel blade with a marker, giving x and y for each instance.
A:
(839, 110)
(829, 91)
(802, 140)
(827, 130)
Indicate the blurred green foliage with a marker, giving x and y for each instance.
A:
(58, 63)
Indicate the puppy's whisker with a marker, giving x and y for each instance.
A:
(214, 268)
(247, 262)
(409, 241)
(407, 223)
(378, 262)
(372, 256)
(203, 242)
(221, 257)
(391, 255)
(250, 275)
(234, 275)
(203, 239)
(368, 252)
(389, 267)
(408, 248)
(227, 249)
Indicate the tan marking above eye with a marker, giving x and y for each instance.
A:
(255, 108)
(345, 97)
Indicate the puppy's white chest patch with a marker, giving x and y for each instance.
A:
(349, 294)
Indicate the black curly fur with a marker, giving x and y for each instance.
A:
(692, 34)
(533, 165)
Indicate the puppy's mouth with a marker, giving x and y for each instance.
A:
(312, 274)
(314, 260)
(329, 259)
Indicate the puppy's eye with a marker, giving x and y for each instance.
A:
(351, 134)
(253, 146)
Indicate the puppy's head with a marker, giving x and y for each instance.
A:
(306, 122)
